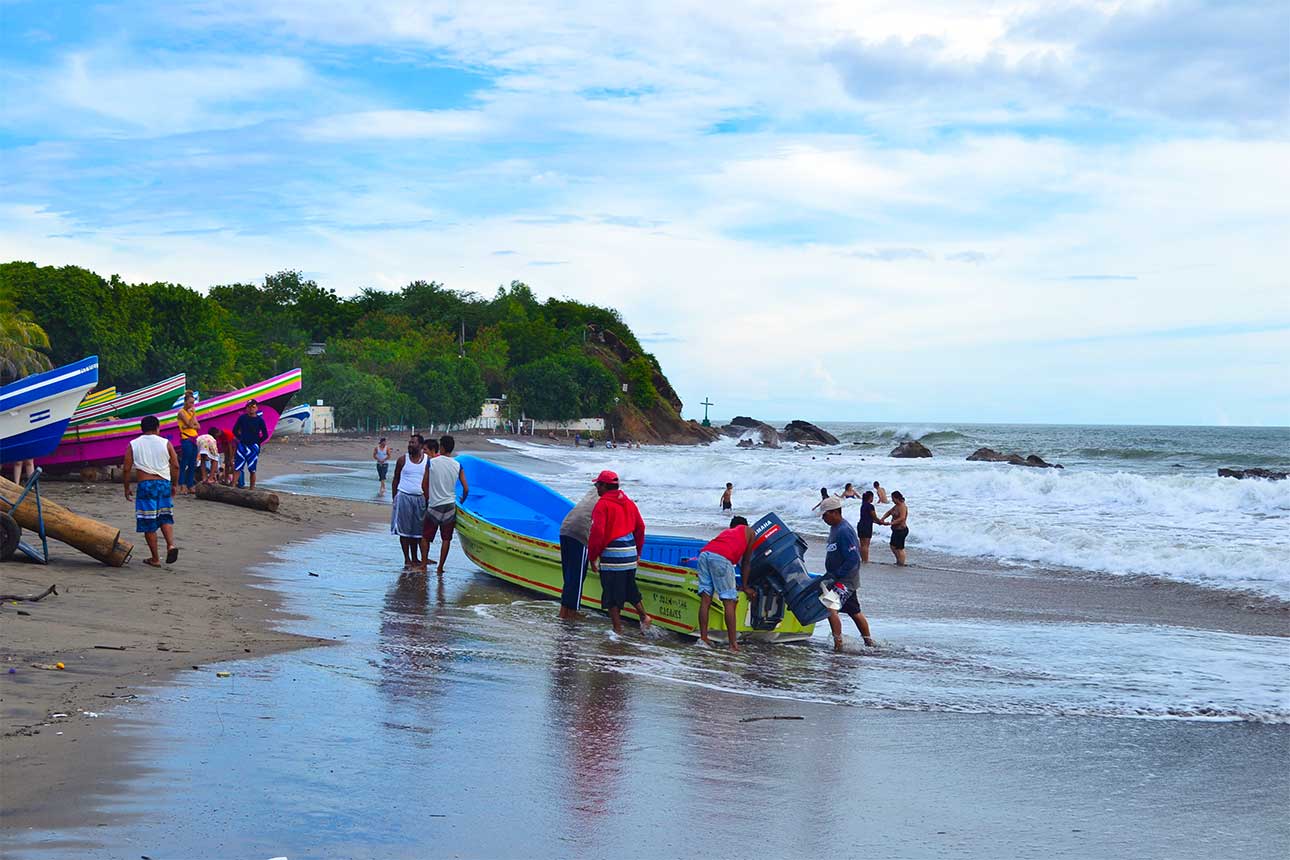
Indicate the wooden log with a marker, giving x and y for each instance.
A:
(260, 500)
(97, 540)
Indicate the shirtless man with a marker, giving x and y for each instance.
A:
(898, 519)
(882, 494)
(726, 502)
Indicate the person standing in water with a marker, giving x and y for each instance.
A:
(152, 461)
(898, 519)
(727, 500)
(613, 549)
(381, 454)
(849, 492)
(575, 531)
(882, 494)
(441, 503)
(408, 494)
(868, 517)
(824, 494)
(716, 568)
(842, 566)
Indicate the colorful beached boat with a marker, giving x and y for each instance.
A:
(104, 443)
(510, 526)
(34, 411)
(149, 400)
(96, 397)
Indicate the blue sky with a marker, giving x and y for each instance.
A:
(844, 210)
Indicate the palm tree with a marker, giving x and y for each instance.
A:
(21, 340)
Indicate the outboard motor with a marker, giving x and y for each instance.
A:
(777, 565)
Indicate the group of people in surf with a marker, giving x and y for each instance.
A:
(424, 497)
(604, 532)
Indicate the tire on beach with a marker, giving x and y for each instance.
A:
(10, 534)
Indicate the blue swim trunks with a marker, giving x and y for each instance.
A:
(152, 506)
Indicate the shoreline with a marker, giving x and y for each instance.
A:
(218, 609)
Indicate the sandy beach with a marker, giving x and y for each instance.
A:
(152, 624)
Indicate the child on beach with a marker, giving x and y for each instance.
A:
(726, 502)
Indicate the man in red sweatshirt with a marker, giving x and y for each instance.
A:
(613, 548)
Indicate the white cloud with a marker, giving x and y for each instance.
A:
(398, 125)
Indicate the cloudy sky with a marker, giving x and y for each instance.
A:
(1031, 211)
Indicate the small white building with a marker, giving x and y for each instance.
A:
(579, 425)
(323, 418)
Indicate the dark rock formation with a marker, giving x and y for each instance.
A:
(911, 448)
(1267, 474)
(989, 455)
(808, 434)
(753, 431)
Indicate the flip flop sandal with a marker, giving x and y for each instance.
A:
(172, 555)
(150, 563)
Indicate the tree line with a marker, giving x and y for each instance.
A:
(418, 355)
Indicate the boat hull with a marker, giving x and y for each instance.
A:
(104, 443)
(295, 421)
(669, 592)
(34, 411)
(158, 397)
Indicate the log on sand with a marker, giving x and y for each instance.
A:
(97, 540)
(260, 500)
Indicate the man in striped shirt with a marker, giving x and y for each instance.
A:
(613, 548)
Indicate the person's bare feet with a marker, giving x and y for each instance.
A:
(837, 643)
(870, 643)
(439, 570)
(645, 621)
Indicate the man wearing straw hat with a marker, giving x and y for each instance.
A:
(842, 573)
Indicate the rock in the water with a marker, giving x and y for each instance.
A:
(989, 455)
(757, 433)
(808, 434)
(1266, 474)
(911, 448)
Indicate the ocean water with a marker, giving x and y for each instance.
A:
(1131, 501)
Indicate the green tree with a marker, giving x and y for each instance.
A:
(547, 390)
(491, 352)
(356, 396)
(23, 342)
(639, 375)
(189, 333)
(449, 389)
(597, 387)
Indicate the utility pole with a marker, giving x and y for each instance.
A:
(705, 404)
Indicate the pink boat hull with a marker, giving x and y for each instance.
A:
(104, 443)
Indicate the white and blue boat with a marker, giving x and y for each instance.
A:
(297, 419)
(34, 411)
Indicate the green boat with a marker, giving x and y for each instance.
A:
(509, 526)
(158, 397)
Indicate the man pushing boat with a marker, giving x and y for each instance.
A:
(613, 548)
(716, 566)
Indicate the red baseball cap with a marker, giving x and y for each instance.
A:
(606, 477)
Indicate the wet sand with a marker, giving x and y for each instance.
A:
(206, 608)
(455, 717)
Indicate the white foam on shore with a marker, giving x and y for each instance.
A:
(1188, 527)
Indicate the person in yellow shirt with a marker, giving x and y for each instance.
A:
(188, 430)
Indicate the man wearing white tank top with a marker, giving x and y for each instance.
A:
(152, 461)
(408, 503)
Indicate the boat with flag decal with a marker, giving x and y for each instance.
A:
(104, 443)
(509, 526)
(34, 410)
